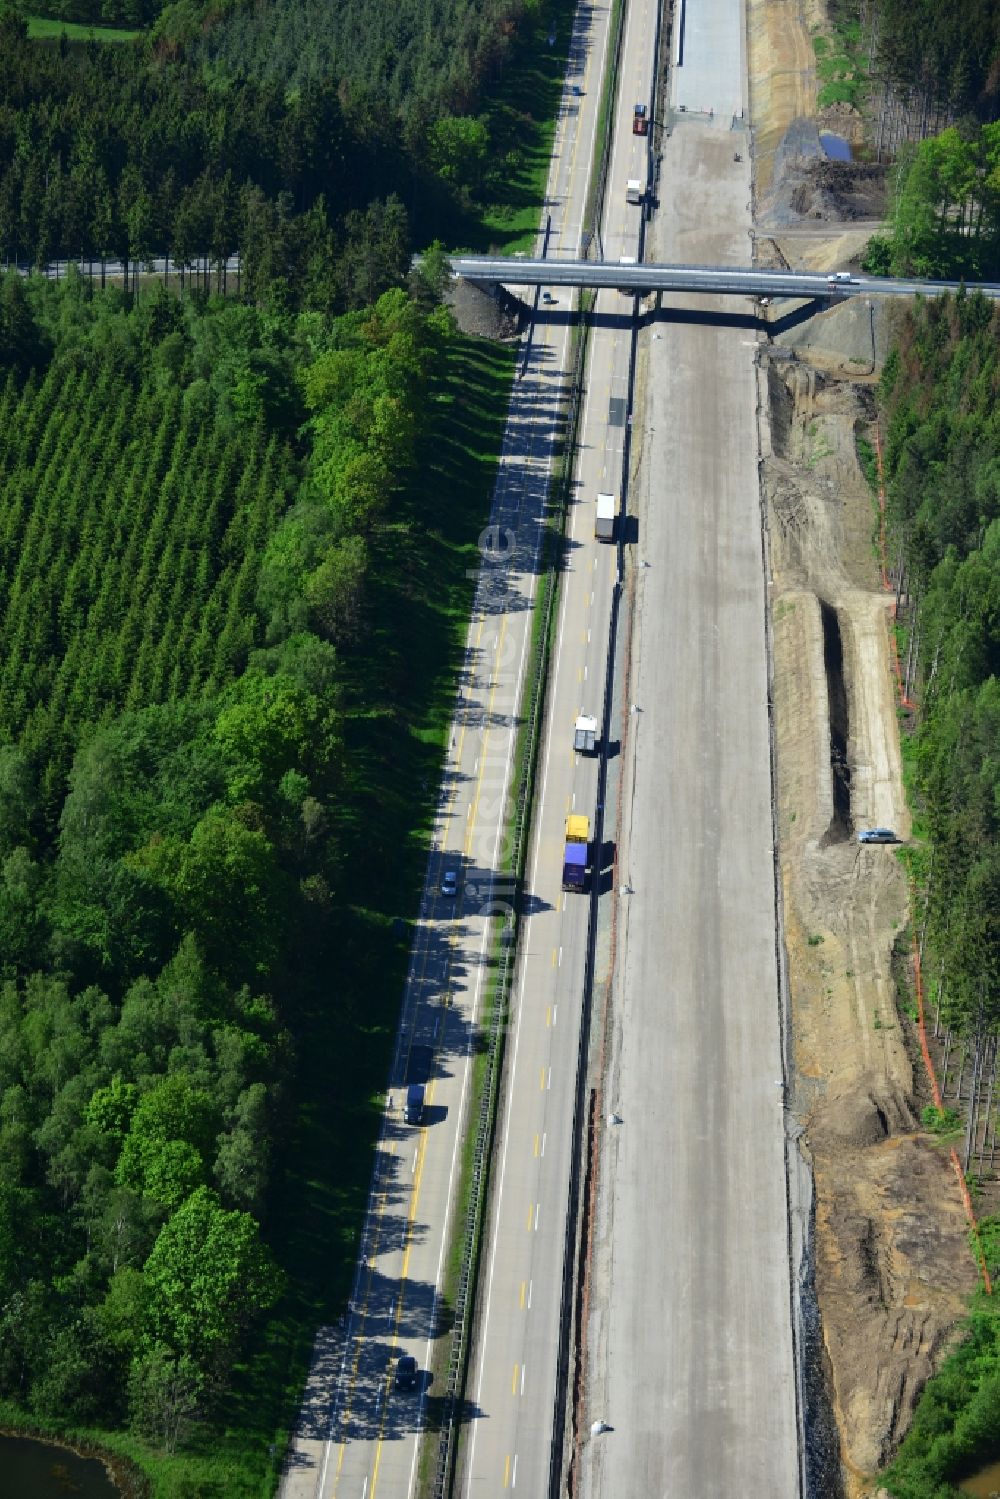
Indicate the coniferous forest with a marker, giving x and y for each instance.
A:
(939, 394)
(946, 54)
(322, 155)
(190, 496)
(231, 606)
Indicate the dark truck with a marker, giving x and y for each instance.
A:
(576, 853)
(640, 122)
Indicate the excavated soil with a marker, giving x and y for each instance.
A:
(794, 182)
(782, 67)
(892, 1270)
(485, 312)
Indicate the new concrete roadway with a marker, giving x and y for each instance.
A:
(689, 1354)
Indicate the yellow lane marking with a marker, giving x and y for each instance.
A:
(342, 1446)
(421, 1150)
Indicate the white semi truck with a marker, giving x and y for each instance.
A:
(604, 518)
(585, 735)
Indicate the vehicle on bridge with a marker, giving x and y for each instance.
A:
(604, 518)
(640, 120)
(633, 191)
(576, 853)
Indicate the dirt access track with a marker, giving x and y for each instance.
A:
(892, 1266)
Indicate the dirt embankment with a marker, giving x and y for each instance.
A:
(892, 1267)
(782, 68)
(794, 182)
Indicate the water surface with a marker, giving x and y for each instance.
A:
(984, 1484)
(35, 1470)
(835, 146)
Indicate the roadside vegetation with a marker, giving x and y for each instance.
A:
(841, 65)
(938, 397)
(945, 217)
(238, 537)
(322, 157)
(232, 605)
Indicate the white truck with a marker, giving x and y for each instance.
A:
(633, 190)
(604, 518)
(585, 735)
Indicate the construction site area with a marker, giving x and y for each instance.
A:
(893, 1267)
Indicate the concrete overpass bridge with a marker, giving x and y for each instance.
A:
(736, 281)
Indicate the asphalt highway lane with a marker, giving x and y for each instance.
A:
(358, 1435)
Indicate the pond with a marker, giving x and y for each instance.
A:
(36, 1470)
(984, 1484)
(835, 146)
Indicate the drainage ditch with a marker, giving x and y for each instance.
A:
(840, 725)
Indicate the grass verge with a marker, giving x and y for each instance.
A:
(42, 29)
(522, 122)
(841, 65)
(609, 90)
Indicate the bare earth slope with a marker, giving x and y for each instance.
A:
(892, 1269)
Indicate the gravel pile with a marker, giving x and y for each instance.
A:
(485, 312)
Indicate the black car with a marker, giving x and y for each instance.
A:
(406, 1372)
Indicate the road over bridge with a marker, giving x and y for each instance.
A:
(706, 280)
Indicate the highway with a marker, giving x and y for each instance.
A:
(689, 1353)
(114, 270)
(690, 1356)
(357, 1435)
(699, 280)
(512, 1389)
